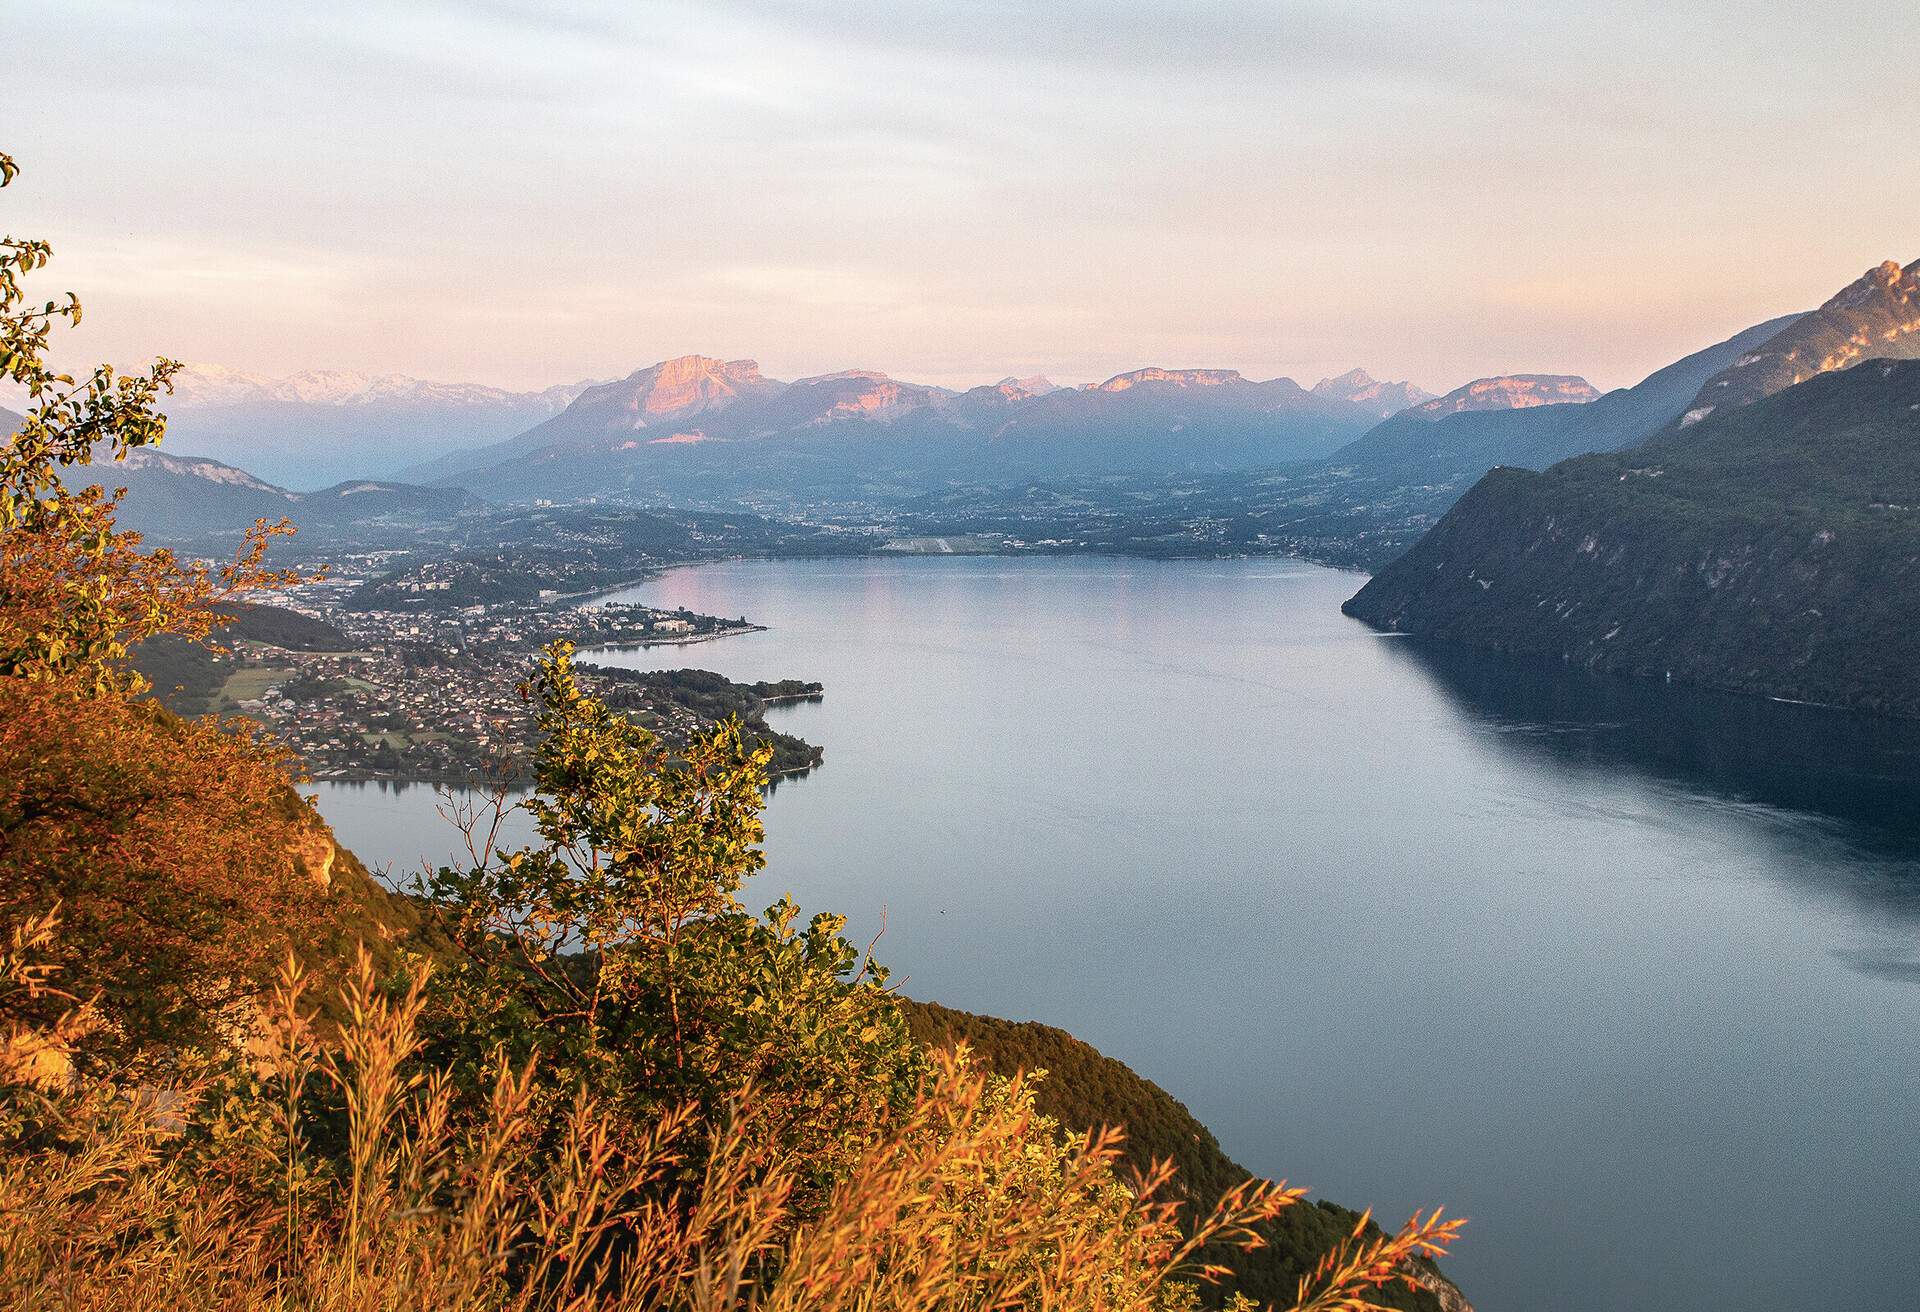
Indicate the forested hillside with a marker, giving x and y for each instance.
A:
(1771, 549)
(1084, 1089)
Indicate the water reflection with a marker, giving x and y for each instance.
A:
(1861, 770)
(1622, 958)
(1834, 778)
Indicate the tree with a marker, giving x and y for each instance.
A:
(618, 949)
(669, 1103)
(76, 594)
(178, 856)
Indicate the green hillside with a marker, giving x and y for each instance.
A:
(1085, 1089)
(1772, 549)
(187, 676)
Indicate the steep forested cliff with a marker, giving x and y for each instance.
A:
(1771, 549)
(1085, 1089)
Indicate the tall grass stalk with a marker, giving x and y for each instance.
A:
(149, 1200)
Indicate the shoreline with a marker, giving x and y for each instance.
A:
(686, 640)
(593, 594)
(520, 783)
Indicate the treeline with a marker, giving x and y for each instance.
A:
(712, 698)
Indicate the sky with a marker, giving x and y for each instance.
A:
(531, 193)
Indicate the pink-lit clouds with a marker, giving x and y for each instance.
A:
(521, 194)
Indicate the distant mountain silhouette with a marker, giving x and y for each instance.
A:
(1363, 389)
(697, 426)
(322, 426)
(191, 498)
(1462, 435)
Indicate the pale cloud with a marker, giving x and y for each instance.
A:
(523, 193)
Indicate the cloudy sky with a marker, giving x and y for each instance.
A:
(526, 193)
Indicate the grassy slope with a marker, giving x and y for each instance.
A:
(185, 676)
(1083, 1089)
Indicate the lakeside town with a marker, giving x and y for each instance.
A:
(436, 695)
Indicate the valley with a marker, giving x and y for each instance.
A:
(701, 459)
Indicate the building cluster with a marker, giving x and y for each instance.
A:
(435, 697)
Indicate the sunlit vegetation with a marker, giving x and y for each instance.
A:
(575, 1075)
(1084, 1090)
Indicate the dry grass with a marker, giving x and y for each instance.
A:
(110, 1199)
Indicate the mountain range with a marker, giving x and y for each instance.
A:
(1744, 516)
(1765, 538)
(699, 427)
(1451, 442)
(176, 498)
(1875, 317)
(323, 426)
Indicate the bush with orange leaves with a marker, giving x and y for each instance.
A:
(181, 860)
(180, 856)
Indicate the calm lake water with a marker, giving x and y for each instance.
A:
(1628, 974)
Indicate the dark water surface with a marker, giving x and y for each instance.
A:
(1628, 974)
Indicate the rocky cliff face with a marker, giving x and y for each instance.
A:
(312, 853)
(1174, 377)
(1873, 318)
(1508, 392)
(1444, 1291)
(851, 395)
(1020, 389)
(1362, 388)
(669, 393)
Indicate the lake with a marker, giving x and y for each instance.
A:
(1628, 974)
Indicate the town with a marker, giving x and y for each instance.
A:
(438, 696)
